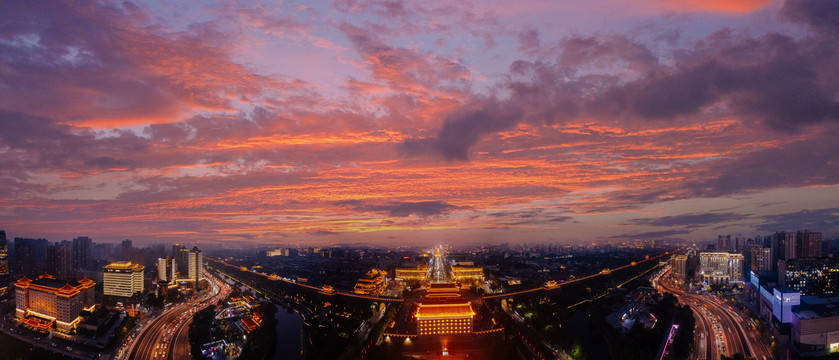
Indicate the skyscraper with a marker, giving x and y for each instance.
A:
(740, 244)
(82, 252)
(60, 261)
(166, 269)
(196, 265)
(30, 257)
(783, 247)
(761, 258)
(679, 263)
(4, 263)
(126, 249)
(809, 244)
(183, 261)
(724, 243)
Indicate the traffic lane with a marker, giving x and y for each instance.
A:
(733, 334)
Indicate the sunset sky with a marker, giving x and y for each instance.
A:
(389, 122)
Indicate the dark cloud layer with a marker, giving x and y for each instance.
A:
(665, 234)
(776, 79)
(689, 221)
(825, 220)
(402, 208)
(92, 62)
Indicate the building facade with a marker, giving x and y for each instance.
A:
(809, 244)
(444, 312)
(4, 264)
(167, 269)
(373, 282)
(679, 264)
(783, 246)
(815, 325)
(418, 273)
(195, 261)
(724, 243)
(123, 279)
(468, 272)
(30, 257)
(761, 258)
(60, 260)
(82, 252)
(46, 302)
(810, 276)
(721, 267)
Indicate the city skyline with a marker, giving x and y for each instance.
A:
(384, 122)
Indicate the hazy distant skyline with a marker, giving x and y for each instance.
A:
(435, 121)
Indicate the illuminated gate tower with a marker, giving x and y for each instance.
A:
(444, 312)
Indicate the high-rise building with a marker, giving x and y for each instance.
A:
(102, 252)
(761, 258)
(724, 243)
(4, 264)
(783, 246)
(167, 269)
(809, 243)
(810, 276)
(46, 302)
(740, 244)
(122, 278)
(679, 264)
(183, 261)
(126, 249)
(196, 265)
(82, 252)
(721, 267)
(30, 257)
(60, 260)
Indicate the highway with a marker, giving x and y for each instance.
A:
(720, 329)
(162, 337)
(439, 270)
(569, 282)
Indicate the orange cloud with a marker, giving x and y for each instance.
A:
(730, 6)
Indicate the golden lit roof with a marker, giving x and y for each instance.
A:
(48, 283)
(124, 265)
(445, 310)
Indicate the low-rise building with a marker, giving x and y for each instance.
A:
(418, 273)
(815, 325)
(444, 312)
(467, 272)
(373, 282)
